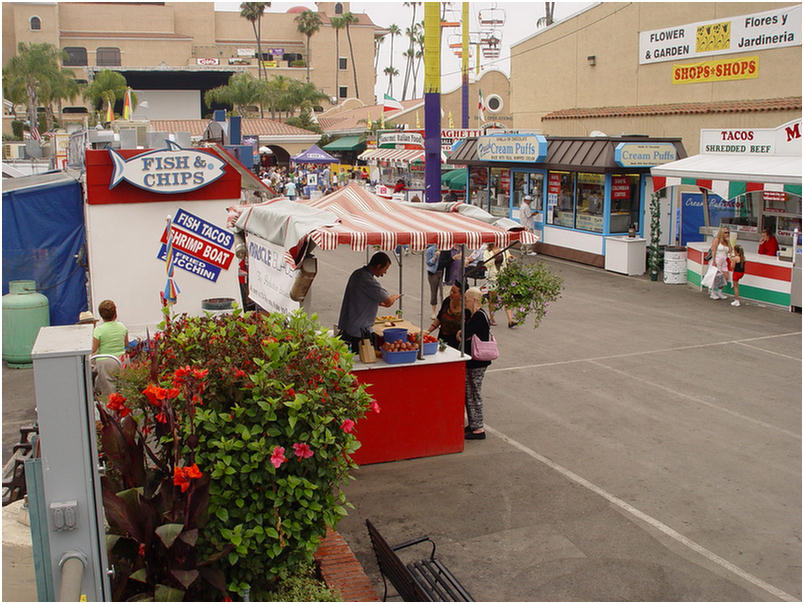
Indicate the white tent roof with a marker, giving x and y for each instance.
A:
(780, 169)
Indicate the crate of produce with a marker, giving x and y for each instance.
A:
(394, 334)
(404, 356)
(430, 347)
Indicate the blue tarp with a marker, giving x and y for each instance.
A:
(43, 231)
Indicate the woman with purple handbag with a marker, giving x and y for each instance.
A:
(480, 344)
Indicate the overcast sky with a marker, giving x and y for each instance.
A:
(520, 22)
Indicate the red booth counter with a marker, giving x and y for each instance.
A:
(421, 408)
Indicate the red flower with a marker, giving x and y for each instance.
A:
(278, 456)
(375, 406)
(141, 550)
(181, 372)
(291, 393)
(117, 403)
(183, 475)
(161, 418)
(302, 450)
(347, 425)
(200, 374)
(154, 394)
(172, 393)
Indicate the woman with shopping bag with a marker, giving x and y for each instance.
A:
(716, 276)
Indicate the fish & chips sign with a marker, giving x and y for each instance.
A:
(173, 169)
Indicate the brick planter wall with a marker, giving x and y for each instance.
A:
(341, 570)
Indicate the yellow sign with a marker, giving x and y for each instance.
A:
(744, 68)
(713, 36)
(269, 64)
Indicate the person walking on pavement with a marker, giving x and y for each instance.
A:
(478, 325)
(290, 190)
(526, 218)
(721, 248)
(434, 276)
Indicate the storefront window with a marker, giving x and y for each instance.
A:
(624, 202)
(589, 206)
(781, 214)
(416, 176)
(560, 196)
(478, 186)
(500, 191)
(529, 183)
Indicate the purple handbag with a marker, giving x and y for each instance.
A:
(484, 351)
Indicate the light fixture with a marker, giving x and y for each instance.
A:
(591, 60)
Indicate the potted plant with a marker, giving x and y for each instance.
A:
(527, 289)
(263, 407)
(654, 249)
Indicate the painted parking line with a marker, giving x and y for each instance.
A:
(653, 522)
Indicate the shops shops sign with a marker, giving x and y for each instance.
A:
(173, 169)
(529, 148)
(777, 28)
(641, 155)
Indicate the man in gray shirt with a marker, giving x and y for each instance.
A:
(362, 297)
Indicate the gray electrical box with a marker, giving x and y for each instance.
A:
(69, 452)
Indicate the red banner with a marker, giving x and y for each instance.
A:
(198, 248)
(620, 187)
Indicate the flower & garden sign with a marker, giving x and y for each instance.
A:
(226, 446)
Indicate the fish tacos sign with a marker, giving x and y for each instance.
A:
(173, 169)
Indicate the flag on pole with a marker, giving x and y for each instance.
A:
(449, 117)
(368, 121)
(382, 120)
(418, 123)
(171, 292)
(35, 134)
(127, 105)
(389, 103)
(109, 112)
(481, 106)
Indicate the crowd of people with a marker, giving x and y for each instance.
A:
(304, 180)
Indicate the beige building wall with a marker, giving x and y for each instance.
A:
(550, 72)
(176, 34)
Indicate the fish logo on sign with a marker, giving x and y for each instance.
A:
(173, 169)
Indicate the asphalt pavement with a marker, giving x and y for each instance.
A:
(644, 444)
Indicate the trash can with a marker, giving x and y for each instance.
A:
(675, 265)
(217, 306)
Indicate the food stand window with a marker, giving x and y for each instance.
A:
(590, 193)
(560, 197)
(624, 202)
(529, 183)
(781, 214)
(478, 186)
(500, 191)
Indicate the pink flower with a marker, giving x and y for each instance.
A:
(375, 406)
(278, 456)
(302, 450)
(347, 425)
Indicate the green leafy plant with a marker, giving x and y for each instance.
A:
(303, 586)
(654, 249)
(527, 289)
(156, 498)
(273, 428)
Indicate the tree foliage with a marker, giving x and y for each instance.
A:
(348, 19)
(107, 87)
(308, 23)
(252, 12)
(32, 73)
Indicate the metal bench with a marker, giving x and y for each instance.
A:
(426, 580)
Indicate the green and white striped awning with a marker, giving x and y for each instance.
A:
(730, 176)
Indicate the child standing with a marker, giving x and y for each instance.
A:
(738, 267)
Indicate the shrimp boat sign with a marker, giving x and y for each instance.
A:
(173, 169)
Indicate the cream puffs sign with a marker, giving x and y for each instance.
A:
(173, 169)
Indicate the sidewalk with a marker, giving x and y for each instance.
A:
(643, 444)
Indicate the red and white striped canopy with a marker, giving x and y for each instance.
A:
(366, 219)
(395, 156)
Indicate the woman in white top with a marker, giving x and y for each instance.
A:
(721, 248)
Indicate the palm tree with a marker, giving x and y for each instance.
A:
(308, 23)
(393, 31)
(252, 12)
(241, 91)
(419, 57)
(547, 20)
(377, 42)
(338, 24)
(348, 19)
(305, 96)
(63, 86)
(106, 87)
(411, 34)
(275, 94)
(32, 70)
(391, 72)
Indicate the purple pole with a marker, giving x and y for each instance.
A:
(432, 102)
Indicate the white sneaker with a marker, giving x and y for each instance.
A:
(736, 303)
(713, 296)
(721, 295)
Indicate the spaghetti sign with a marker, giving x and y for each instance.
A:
(199, 247)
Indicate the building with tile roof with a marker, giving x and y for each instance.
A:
(660, 69)
(171, 53)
